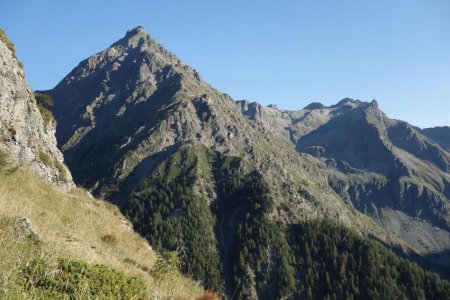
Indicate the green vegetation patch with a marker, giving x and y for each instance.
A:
(78, 279)
(44, 103)
(53, 163)
(62, 171)
(7, 166)
(28, 271)
(46, 159)
(167, 265)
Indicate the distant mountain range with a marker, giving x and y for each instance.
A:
(228, 183)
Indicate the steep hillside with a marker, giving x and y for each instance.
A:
(172, 210)
(193, 173)
(230, 245)
(44, 231)
(332, 258)
(23, 132)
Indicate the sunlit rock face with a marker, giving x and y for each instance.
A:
(23, 133)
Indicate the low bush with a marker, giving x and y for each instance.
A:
(44, 103)
(6, 164)
(46, 159)
(167, 264)
(61, 170)
(79, 279)
(4, 38)
(109, 239)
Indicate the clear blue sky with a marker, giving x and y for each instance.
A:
(285, 52)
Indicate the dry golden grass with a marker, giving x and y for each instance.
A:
(74, 225)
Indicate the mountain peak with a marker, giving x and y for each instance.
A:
(135, 38)
(346, 101)
(314, 105)
(139, 30)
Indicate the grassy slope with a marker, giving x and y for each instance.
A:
(76, 227)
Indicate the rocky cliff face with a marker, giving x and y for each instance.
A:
(23, 133)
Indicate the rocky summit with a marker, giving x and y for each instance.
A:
(235, 187)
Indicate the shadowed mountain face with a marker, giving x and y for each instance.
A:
(439, 135)
(219, 180)
(111, 101)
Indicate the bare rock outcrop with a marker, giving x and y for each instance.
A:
(23, 133)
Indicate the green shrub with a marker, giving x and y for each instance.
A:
(61, 170)
(78, 279)
(50, 162)
(46, 159)
(4, 38)
(167, 264)
(109, 239)
(44, 103)
(6, 165)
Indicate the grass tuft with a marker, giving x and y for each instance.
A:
(7, 166)
(46, 159)
(4, 38)
(62, 171)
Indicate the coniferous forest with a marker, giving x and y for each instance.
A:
(316, 259)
